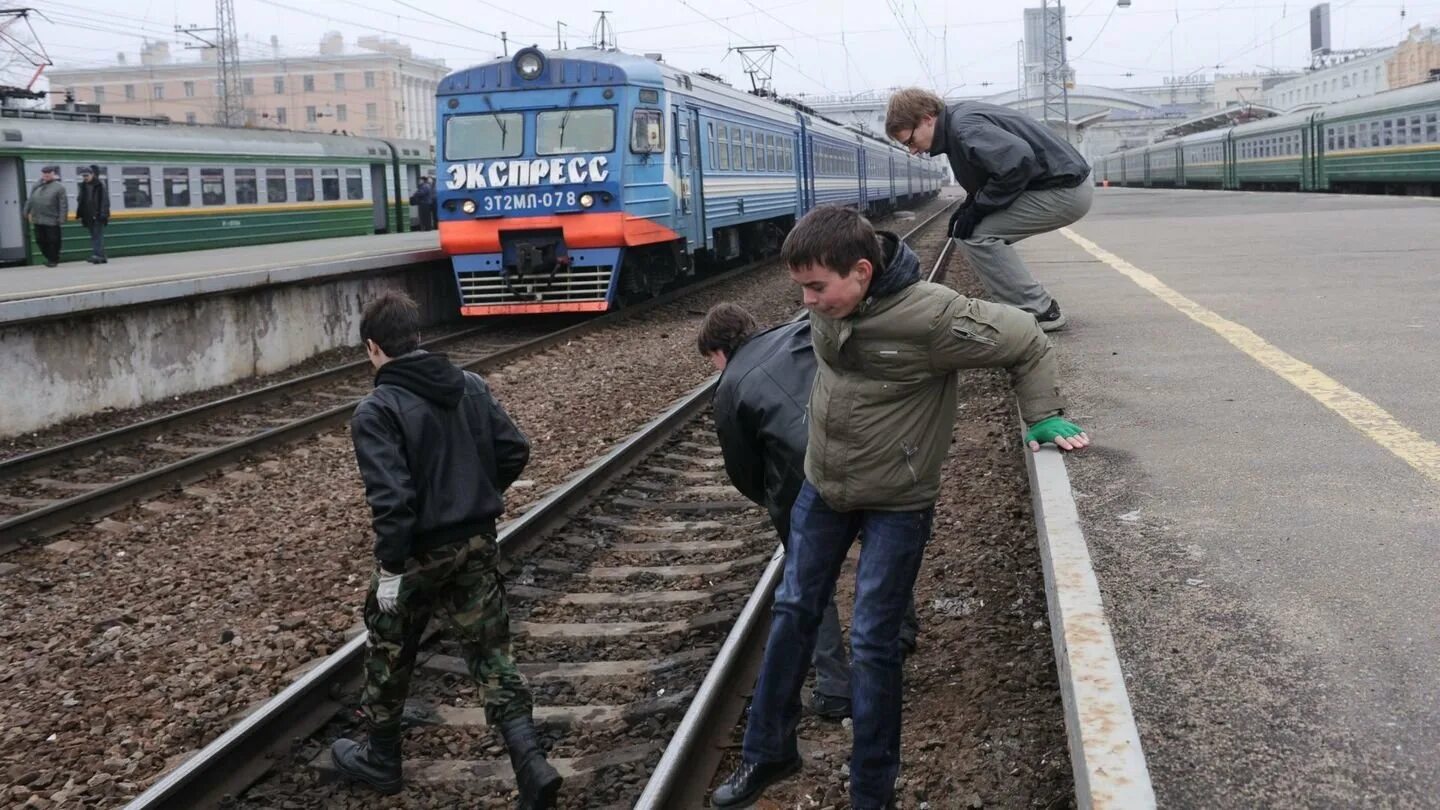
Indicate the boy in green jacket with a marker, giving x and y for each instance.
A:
(881, 414)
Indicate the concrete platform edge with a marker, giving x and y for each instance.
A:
(140, 293)
(1105, 751)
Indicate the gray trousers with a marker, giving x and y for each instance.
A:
(97, 239)
(832, 663)
(991, 252)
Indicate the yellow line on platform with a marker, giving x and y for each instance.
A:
(1364, 415)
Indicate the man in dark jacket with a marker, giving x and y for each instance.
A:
(93, 211)
(436, 452)
(1021, 180)
(759, 409)
(423, 200)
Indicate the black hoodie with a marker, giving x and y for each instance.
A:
(902, 268)
(436, 452)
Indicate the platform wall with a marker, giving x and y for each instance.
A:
(62, 368)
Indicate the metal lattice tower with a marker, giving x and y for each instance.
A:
(231, 111)
(1056, 95)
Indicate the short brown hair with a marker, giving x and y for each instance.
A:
(726, 328)
(833, 237)
(908, 106)
(392, 320)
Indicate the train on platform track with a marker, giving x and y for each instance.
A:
(1385, 143)
(579, 180)
(177, 187)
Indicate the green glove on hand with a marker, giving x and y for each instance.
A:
(1048, 430)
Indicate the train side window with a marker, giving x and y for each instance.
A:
(136, 181)
(722, 150)
(1432, 127)
(1388, 134)
(304, 185)
(1374, 133)
(354, 184)
(647, 133)
(1350, 137)
(212, 186)
(247, 190)
(737, 150)
(177, 188)
(749, 151)
(1415, 132)
(330, 184)
(275, 191)
(772, 149)
(710, 140)
(1402, 135)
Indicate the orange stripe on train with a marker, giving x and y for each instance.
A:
(598, 230)
(534, 309)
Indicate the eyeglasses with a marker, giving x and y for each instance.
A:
(909, 143)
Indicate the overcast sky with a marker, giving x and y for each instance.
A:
(827, 46)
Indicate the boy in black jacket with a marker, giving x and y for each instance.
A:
(436, 452)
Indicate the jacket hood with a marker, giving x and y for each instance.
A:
(426, 374)
(902, 269)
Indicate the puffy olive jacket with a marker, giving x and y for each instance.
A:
(883, 407)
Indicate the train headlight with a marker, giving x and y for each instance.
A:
(529, 63)
(587, 199)
(468, 206)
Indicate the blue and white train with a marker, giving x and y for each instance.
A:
(574, 181)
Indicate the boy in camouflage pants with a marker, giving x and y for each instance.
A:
(436, 452)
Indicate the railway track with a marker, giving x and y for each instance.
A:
(638, 619)
(48, 490)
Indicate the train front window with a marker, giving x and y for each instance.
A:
(568, 132)
(489, 135)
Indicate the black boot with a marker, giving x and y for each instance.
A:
(750, 780)
(376, 762)
(537, 780)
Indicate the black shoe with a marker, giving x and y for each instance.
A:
(1052, 319)
(375, 762)
(538, 781)
(750, 780)
(829, 707)
(52, 264)
(95, 260)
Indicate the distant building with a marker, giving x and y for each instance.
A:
(381, 90)
(1359, 76)
(1417, 59)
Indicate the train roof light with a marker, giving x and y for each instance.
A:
(529, 64)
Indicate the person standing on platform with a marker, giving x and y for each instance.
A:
(93, 211)
(1021, 180)
(759, 409)
(46, 209)
(880, 418)
(436, 452)
(423, 201)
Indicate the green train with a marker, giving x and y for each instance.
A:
(176, 187)
(1385, 143)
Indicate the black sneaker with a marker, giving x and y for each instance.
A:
(829, 707)
(750, 780)
(1053, 319)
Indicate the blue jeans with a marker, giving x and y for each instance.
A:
(890, 560)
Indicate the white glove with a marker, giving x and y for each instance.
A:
(387, 593)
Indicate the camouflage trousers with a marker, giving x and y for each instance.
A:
(460, 582)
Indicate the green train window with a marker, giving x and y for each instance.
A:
(212, 186)
(354, 184)
(330, 184)
(177, 188)
(275, 190)
(304, 185)
(136, 183)
(247, 190)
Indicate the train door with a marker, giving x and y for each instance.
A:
(689, 202)
(380, 197)
(807, 168)
(12, 212)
